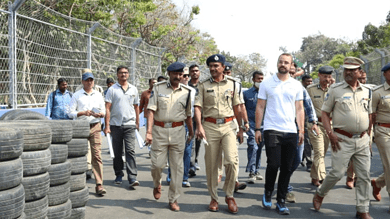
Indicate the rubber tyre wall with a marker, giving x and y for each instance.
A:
(81, 128)
(59, 153)
(59, 194)
(78, 213)
(62, 211)
(36, 162)
(11, 144)
(36, 187)
(79, 198)
(77, 147)
(37, 209)
(12, 202)
(77, 182)
(22, 114)
(11, 173)
(79, 164)
(59, 173)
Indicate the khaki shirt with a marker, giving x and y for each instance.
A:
(381, 103)
(317, 95)
(218, 98)
(350, 108)
(170, 105)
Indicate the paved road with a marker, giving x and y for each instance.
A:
(121, 202)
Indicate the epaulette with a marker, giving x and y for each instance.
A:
(337, 84)
(366, 86)
(312, 85)
(161, 82)
(377, 87)
(186, 87)
(233, 79)
(204, 80)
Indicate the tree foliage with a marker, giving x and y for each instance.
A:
(374, 37)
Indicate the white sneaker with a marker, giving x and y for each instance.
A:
(259, 176)
(252, 178)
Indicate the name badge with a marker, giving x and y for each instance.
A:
(209, 91)
(347, 98)
(317, 96)
(162, 95)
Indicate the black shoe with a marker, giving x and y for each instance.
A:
(192, 173)
(281, 208)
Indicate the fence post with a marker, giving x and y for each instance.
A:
(134, 45)
(383, 63)
(12, 52)
(366, 64)
(159, 61)
(89, 45)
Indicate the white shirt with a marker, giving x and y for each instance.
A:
(81, 101)
(280, 107)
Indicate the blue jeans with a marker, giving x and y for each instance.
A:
(254, 152)
(186, 159)
(297, 161)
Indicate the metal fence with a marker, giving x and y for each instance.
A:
(39, 45)
(374, 62)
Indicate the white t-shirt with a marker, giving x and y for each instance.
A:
(280, 107)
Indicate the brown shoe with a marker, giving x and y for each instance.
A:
(315, 182)
(174, 206)
(239, 186)
(363, 215)
(349, 183)
(376, 191)
(157, 192)
(232, 206)
(213, 206)
(100, 190)
(317, 201)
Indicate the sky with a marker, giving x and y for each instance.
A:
(243, 27)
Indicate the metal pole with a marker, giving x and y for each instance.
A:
(383, 63)
(11, 56)
(366, 64)
(159, 61)
(133, 59)
(89, 45)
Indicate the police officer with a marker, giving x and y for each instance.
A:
(218, 97)
(169, 106)
(349, 101)
(319, 141)
(381, 120)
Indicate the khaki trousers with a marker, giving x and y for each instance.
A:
(221, 138)
(382, 140)
(320, 144)
(358, 150)
(95, 140)
(172, 141)
(89, 157)
(220, 165)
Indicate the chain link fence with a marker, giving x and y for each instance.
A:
(374, 62)
(39, 45)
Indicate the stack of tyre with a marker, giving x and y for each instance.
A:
(11, 173)
(77, 156)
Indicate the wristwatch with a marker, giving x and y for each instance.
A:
(257, 130)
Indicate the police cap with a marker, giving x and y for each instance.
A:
(216, 58)
(386, 67)
(326, 70)
(176, 67)
(228, 66)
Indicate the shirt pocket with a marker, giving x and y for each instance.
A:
(364, 105)
(210, 97)
(386, 102)
(346, 104)
(130, 98)
(163, 102)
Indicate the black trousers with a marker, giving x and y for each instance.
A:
(307, 148)
(126, 135)
(280, 148)
(195, 148)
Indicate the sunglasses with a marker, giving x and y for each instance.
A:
(186, 76)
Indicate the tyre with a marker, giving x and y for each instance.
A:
(81, 128)
(59, 194)
(79, 164)
(11, 173)
(12, 202)
(79, 198)
(30, 115)
(78, 213)
(77, 147)
(36, 187)
(23, 216)
(36, 162)
(62, 211)
(34, 137)
(59, 153)
(77, 182)
(59, 173)
(11, 143)
(37, 209)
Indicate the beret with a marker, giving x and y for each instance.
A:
(228, 66)
(386, 67)
(176, 67)
(216, 58)
(326, 70)
(87, 75)
(352, 62)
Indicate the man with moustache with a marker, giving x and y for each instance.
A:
(218, 98)
(169, 106)
(283, 96)
(122, 119)
(350, 105)
(320, 140)
(58, 101)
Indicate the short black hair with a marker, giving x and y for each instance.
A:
(110, 80)
(257, 73)
(304, 77)
(162, 77)
(193, 66)
(60, 80)
(120, 67)
(151, 79)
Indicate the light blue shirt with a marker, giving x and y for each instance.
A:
(58, 108)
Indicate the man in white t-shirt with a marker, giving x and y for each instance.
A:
(283, 96)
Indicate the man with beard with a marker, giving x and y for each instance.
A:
(283, 96)
(58, 101)
(169, 106)
(350, 105)
(218, 98)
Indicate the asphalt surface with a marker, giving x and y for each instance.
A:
(122, 202)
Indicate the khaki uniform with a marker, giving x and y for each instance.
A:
(351, 111)
(169, 106)
(217, 100)
(381, 106)
(320, 143)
